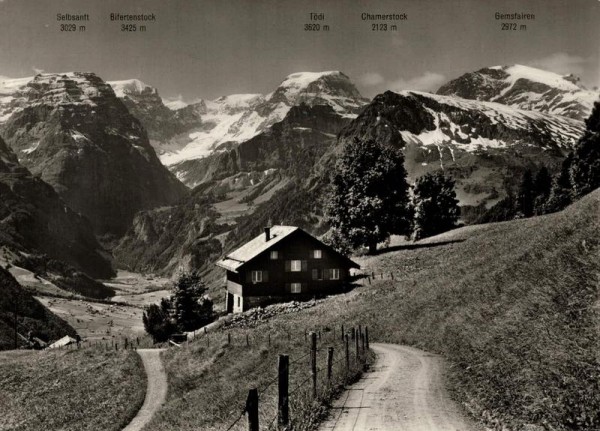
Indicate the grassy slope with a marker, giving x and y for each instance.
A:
(33, 316)
(83, 389)
(208, 385)
(512, 305)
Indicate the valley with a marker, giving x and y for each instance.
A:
(109, 193)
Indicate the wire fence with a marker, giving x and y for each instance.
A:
(332, 359)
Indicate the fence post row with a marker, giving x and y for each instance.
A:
(283, 412)
(367, 337)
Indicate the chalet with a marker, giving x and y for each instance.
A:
(282, 264)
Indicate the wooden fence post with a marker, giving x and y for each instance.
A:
(283, 410)
(329, 365)
(207, 341)
(347, 354)
(357, 350)
(367, 337)
(228, 338)
(362, 347)
(269, 338)
(252, 409)
(247, 340)
(342, 332)
(313, 361)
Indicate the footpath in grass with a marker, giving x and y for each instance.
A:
(87, 389)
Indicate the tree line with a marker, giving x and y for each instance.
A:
(541, 193)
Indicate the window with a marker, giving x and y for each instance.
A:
(317, 254)
(274, 255)
(257, 277)
(296, 265)
(335, 274)
(296, 287)
(317, 274)
(239, 301)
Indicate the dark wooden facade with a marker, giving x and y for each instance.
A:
(303, 267)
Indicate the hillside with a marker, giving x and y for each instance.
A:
(34, 219)
(33, 316)
(75, 389)
(512, 306)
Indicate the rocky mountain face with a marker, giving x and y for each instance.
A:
(72, 131)
(231, 120)
(161, 123)
(480, 144)
(34, 219)
(242, 181)
(525, 87)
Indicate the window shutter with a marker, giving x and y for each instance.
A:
(248, 276)
(327, 274)
(288, 287)
(265, 276)
(304, 265)
(315, 274)
(288, 265)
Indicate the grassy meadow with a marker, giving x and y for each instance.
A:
(70, 390)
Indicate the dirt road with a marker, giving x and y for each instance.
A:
(156, 392)
(404, 391)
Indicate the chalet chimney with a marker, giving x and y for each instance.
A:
(267, 234)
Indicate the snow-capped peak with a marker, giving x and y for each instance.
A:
(525, 87)
(533, 74)
(297, 82)
(174, 104)
(130, 87)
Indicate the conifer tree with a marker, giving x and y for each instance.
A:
(585, 168)
(191, 309)
(526, 195)
(541, 188)
(369, 194)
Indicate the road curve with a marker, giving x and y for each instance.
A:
(156, 391)
(404, 391)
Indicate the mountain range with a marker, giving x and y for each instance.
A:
(251, 158)
(74, 133)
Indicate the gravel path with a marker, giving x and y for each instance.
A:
(404, 391)
(156, 392)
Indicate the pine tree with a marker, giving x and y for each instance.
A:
(369, 196)
(158, 322)
(436, 208)
(585, 168)
(191, 309)
(541, 189)
(526, 195)
(560, 194)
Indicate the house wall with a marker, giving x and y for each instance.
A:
(277, 276)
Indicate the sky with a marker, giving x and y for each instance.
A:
(209, 48)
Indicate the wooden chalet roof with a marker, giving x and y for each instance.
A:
(234, 260)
